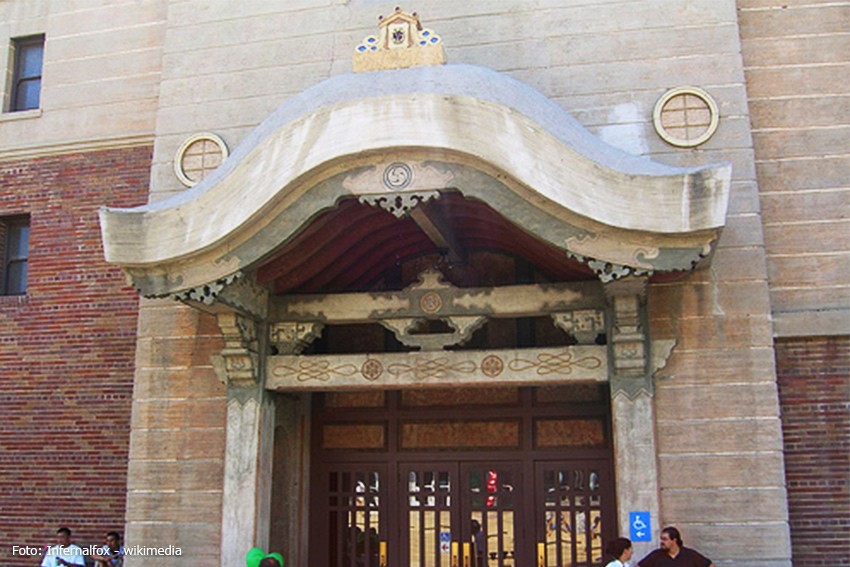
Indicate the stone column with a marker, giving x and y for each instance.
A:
(246, 497)
(633, 408)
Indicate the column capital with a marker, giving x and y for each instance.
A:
(238, 364)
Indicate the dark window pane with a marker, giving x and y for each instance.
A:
(19, 237)
(16, 278)
(28, 94)
(26, 86)
(31, 59)
(15, 256)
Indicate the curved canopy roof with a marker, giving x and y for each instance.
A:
(398, 138)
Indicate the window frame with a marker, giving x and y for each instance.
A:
(19, 47)
(10, 258)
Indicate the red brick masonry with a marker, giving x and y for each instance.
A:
(66, 353)
(814, 390)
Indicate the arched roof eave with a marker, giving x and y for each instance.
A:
(474, 116)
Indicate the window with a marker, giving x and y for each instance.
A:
(26, 83)
(15, 239)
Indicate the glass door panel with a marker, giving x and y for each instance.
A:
(431, 523)
(356, 514)
(571, 497)
(492, 512)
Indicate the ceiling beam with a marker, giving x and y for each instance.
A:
(439, 232)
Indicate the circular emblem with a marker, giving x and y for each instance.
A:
(492, 366)
(397, 176)
(198, 156)
(372, 369)
(430, 302)
(686, 117)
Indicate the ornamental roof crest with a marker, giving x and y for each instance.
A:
(401, 42)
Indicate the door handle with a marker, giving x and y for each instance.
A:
(467, 558)
(541, 555)
(454, 555)
(382, 554)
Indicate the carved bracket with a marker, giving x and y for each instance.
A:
(207, 293)
(463, 329)
(399, 204)
(608, 272)
(293, 337)
(246, 297)
(239, 361)
(584, 325)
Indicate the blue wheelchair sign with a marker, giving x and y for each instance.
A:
(640, 526)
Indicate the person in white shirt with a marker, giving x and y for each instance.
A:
(621, 550)
(64, 552)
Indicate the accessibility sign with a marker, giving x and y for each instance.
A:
(445, 542)
(640, 528)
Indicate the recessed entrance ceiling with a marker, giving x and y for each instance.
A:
(350, 247)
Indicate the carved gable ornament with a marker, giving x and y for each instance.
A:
(402, 42)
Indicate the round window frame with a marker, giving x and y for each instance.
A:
(713, 109)
(181, 151)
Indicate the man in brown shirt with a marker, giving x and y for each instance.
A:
(672, 553)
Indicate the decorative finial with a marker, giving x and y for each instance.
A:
(402, 42)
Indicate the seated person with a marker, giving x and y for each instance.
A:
(111, 554)
(64, 552)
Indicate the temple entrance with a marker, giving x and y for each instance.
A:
(484, 477)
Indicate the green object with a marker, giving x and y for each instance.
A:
(254, 556)
(277, 556)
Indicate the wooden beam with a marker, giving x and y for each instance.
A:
(434, 299)
(439, 233)
(438, 369)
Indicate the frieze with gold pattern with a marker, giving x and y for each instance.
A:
(437, 358)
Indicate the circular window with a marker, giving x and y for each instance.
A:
(686, 117)
(197, 157)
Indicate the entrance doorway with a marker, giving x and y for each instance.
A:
(493, 477)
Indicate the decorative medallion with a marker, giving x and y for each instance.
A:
(389, 176)
(430, 302)
(198, 156)
(372, 369)
(686, 117)
(402, 42)
(397, 176)
(492, 366)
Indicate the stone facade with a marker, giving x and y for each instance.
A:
(710, 423)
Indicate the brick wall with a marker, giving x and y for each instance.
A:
(814, 389)
(66, 353)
